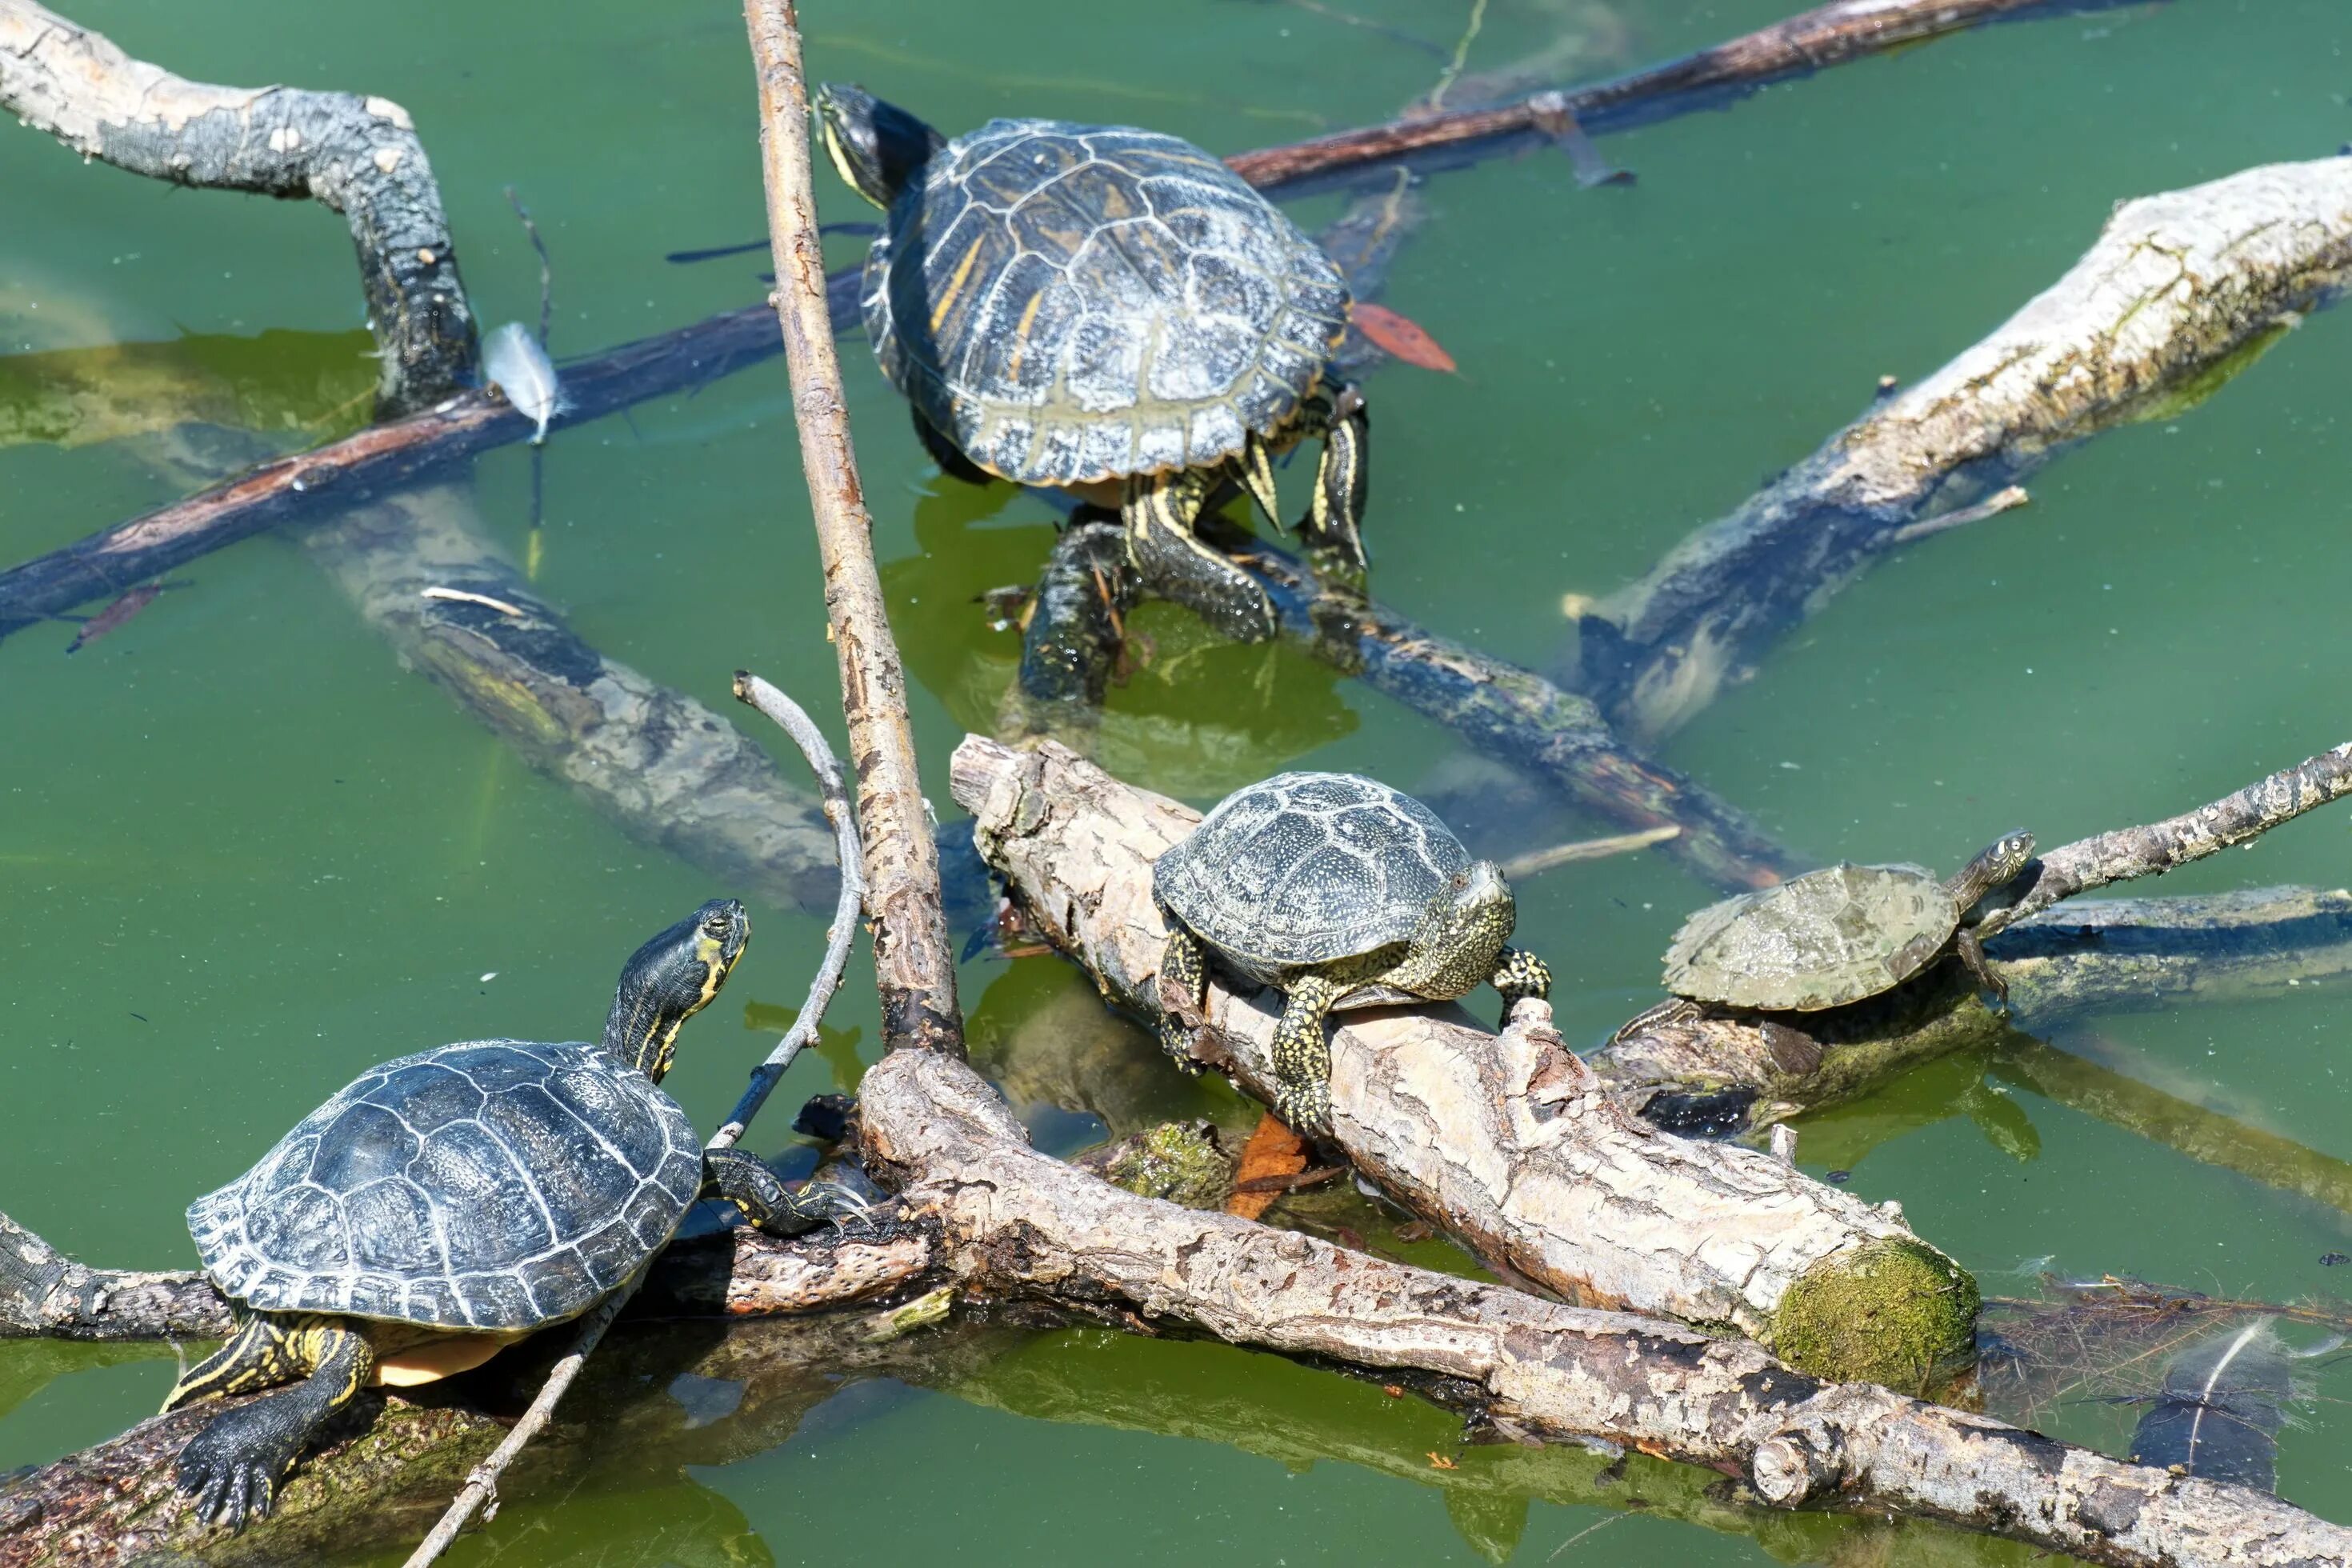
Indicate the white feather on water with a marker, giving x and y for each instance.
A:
(513, 361)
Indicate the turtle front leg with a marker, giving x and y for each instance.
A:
(1302, 1057)
(232, 1468)
(1183, 965)
(743, 1178)
(1971, 951)
(1333, 526)
(1518, 976)
(1178, 564)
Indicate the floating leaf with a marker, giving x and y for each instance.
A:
(1272, 1153)
(1401, 336)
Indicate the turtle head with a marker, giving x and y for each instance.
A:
(1996, 866)
(1454, 949)
(670, 980)
(876, 146)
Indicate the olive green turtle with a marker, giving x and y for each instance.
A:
(1340, 892)
(1110, 311)
(1837, 935)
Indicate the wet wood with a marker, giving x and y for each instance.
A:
(2179, 293)
(1507, 1142)
(354, 155)
(913, 962)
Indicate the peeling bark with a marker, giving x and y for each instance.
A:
(1506, 1140)
(357, 156)
(1019, 1223)
(2181, 292)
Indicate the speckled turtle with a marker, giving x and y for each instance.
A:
(1340, 892)
(1112, 312)
(1839, 934)
(443, 1205)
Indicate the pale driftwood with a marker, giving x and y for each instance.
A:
(357, 156)
(911, 956)
(1019, 1222)
(2179, 291)
(1506, 1141)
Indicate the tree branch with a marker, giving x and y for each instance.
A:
(357, 156)
(912, 960)
(2181, 292)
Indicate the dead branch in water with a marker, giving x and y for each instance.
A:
(2179, 293)
(357, 156)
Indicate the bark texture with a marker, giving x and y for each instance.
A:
(357, 156)
(911, 956)
(1507, 1142)
(1021, 1223)
(2180, 292)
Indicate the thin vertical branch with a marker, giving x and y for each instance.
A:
(911, 958)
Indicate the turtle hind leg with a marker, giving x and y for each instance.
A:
(1178, 564)
(1185, 966)
(232, 1468)
(742, 1178)
(947, 454)
(1333, 526)
(1302, 1057)
(1518, 976)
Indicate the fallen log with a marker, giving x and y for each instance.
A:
(1506, 1141)
(2179, 293)
(1023, 1224)
(357, 156)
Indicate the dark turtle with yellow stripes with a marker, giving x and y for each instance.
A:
(1111, 311)
(445, 1204)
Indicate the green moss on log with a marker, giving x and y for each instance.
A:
(1894, 1311)
(1180, 1160)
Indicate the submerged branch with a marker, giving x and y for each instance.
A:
(357, 156)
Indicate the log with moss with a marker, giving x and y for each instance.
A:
(1506, 1141)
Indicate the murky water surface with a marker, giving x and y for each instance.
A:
(243, 854)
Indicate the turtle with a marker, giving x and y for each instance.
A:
(1836, 936)
(445, 1204)
(1340, 892)
(1109, 311)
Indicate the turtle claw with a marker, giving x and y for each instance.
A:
(230, 1469)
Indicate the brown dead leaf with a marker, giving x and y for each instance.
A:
(1393, 1390)
(1401, 335)
(1273, 1153)
(1438, 1461)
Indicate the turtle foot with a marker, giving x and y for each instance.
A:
(231, 1470)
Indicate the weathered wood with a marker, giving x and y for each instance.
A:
(2179, 293)
(357, 156)
(1021, 1223)
(1507, 1141)
(912, 960)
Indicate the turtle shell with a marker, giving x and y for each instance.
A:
(1305, 870)
(496, 1184)
(1070, 303)
(1825, 939)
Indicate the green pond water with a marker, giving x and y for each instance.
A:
(243, 854)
